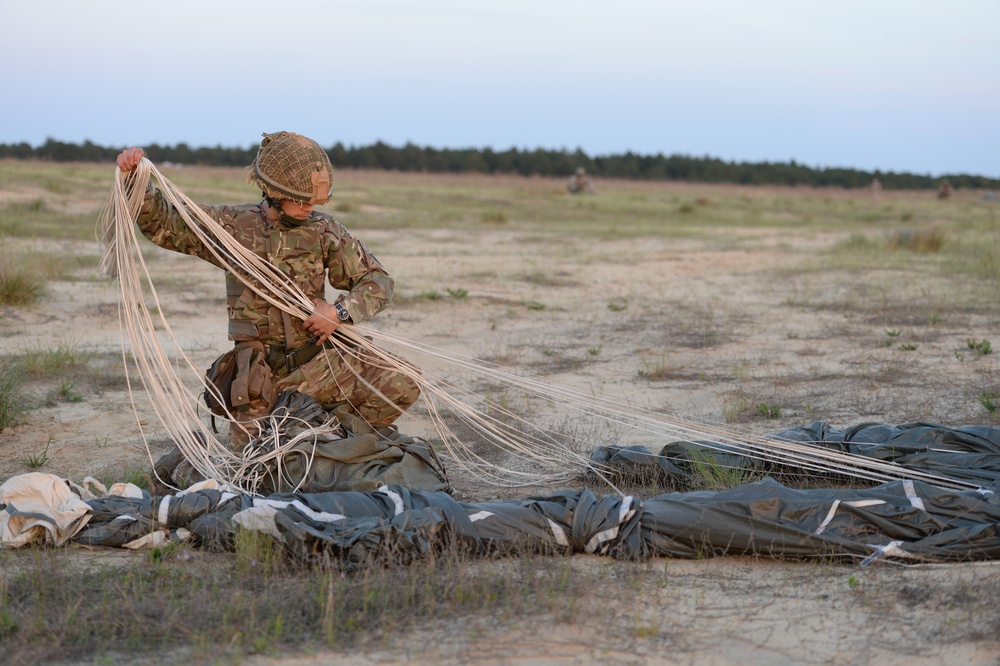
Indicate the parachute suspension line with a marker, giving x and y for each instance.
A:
(547, 446)
(169, 398)
(487, 418)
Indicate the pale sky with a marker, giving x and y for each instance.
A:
(908, 85)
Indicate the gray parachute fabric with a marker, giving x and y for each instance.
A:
(350, 456)
(361, 459)
(969, 454)
(902, 520)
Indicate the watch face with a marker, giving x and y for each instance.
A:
(343, 313)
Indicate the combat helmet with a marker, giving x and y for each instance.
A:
(291, 166)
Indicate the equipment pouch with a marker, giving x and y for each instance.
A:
(238, 378)
(219, 384)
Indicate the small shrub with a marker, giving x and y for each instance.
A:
(767, 411)
(33, 206)
(990, 400)
(11, 400)
(8, 622)
(657, 370)
(67, 392)
(858, 242)
(924, 240)
(19, 286)
(43, 361)
(734, 407)
(36, 460)
(982, 347)
(458, 293)
(495, 217)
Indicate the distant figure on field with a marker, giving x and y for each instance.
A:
(876, 187)
(579, 183)
(945, 190)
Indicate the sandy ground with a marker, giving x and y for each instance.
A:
(731, 319)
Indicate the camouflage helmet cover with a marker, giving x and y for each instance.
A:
(291, 166)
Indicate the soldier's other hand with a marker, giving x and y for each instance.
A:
(129, 158)
(323, 321)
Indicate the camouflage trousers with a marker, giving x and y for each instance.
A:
(339, 381)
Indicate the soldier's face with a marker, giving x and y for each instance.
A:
(296, 210)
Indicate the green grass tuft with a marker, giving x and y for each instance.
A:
(19, 286)
(12, 400)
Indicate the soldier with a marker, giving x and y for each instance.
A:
(274, 351)
(579, 182)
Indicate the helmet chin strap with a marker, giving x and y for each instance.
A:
(287, 220)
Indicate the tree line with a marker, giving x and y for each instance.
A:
(537, 162)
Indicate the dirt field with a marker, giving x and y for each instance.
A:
(707, 325)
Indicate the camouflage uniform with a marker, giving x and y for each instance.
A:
(306, 253)
(579, 182)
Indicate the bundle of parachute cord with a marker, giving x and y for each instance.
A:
(510, 449)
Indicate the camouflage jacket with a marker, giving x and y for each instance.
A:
(319, 248)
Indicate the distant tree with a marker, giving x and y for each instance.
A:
(540, 162)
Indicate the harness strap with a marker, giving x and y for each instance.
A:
(283, 362)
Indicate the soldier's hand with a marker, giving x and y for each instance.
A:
(323, 321)
(129, 158)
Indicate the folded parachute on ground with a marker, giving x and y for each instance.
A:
(902, 520)
(969, 454)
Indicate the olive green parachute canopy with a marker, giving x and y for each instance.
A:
(291, 166)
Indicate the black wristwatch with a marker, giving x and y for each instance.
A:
(342, 313)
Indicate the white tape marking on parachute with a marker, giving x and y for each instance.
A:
(163, 512)
(125, 518)
(911, 494)
(319, 516)
(829, 517)
(836, 505)
(864, 503)
(624, 513)
(151, 540)
(259, 519)
(396, 498)
(892, 548)
(559, 533)
(480, 515)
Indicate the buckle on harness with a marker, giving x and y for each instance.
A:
(283, 363)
